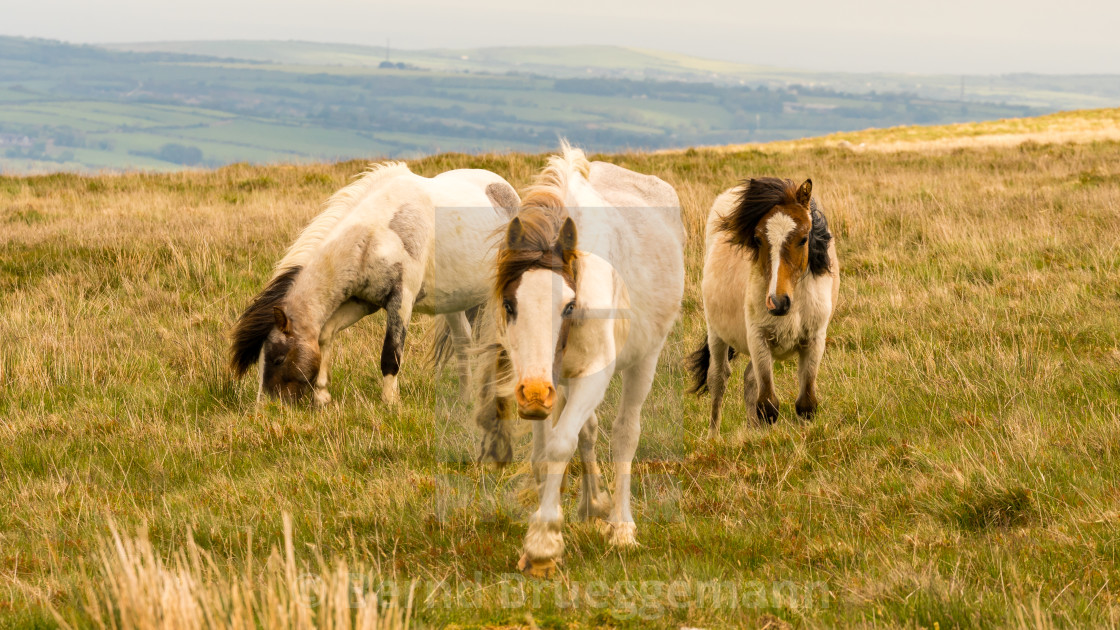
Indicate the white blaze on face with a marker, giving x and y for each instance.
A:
(777, 231)
(534, 332)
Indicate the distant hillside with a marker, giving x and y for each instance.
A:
(1077, 127)
(84, 108)
(1046, 91)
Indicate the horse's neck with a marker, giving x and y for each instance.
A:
(317, 292)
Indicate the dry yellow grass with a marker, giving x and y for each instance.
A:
(962, 470)
(1063, 127)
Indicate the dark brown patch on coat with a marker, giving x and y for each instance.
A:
(503, 197)
(258, 320)
(408, 226)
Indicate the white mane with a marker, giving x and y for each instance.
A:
(554, 179)
(337, 207)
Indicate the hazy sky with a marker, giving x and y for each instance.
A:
(953, 36)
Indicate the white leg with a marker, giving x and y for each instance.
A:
(460, 328)
(636, 382)
(347, 315)
(544, 543)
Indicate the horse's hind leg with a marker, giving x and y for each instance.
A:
(594, 501)
(398, 310)
(719, 369)
(347, 315)
(460, 328)
(809, 362)
(636, 383)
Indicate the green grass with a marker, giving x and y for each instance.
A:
(961, 472)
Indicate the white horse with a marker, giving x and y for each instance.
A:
(588, 282)
(391, 240)
(771, 280)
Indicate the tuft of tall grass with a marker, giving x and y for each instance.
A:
(132, 587)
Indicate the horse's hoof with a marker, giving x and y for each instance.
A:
(767, 411)
(540, 569)
(622, 534)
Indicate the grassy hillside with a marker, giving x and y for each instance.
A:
(1077, 127)
(962, 471)
(1048, 91)
(81, 108)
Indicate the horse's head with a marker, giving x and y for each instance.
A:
(289, 361)
(535, 286)
(772, 222)
(265, 334)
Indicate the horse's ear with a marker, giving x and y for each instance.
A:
(515, 234)
(282, 321)
(805, 193)
(567, 240)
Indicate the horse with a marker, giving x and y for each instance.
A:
(770, 285)
(390, 240)
(588, 281)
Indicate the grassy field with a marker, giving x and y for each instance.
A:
(962, 470)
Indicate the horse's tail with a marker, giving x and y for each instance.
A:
(443, 345)
(697, 364)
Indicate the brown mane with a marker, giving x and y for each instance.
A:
(541, 220)
(759, 196)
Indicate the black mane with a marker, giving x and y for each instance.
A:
(257, 321)
(819, 238)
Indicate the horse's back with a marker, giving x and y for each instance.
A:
(643, 239)
(628, 190)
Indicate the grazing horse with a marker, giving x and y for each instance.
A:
(391, 240)
(588, 282)
(771, 279)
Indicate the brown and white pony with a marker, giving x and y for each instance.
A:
(391, 240)
(588, 282)
(771, 280)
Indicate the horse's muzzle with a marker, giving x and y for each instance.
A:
(778, 305)
(534, 399)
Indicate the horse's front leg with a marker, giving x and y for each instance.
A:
(544, 543)
(347, 315)
(809, 362)
(766, 404)
(398, 310)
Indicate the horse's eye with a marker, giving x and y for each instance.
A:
(278, 361)
(804, 239)
(569, 309)
(506, 304)
(757, 242)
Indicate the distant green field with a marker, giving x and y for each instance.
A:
(175, 106)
